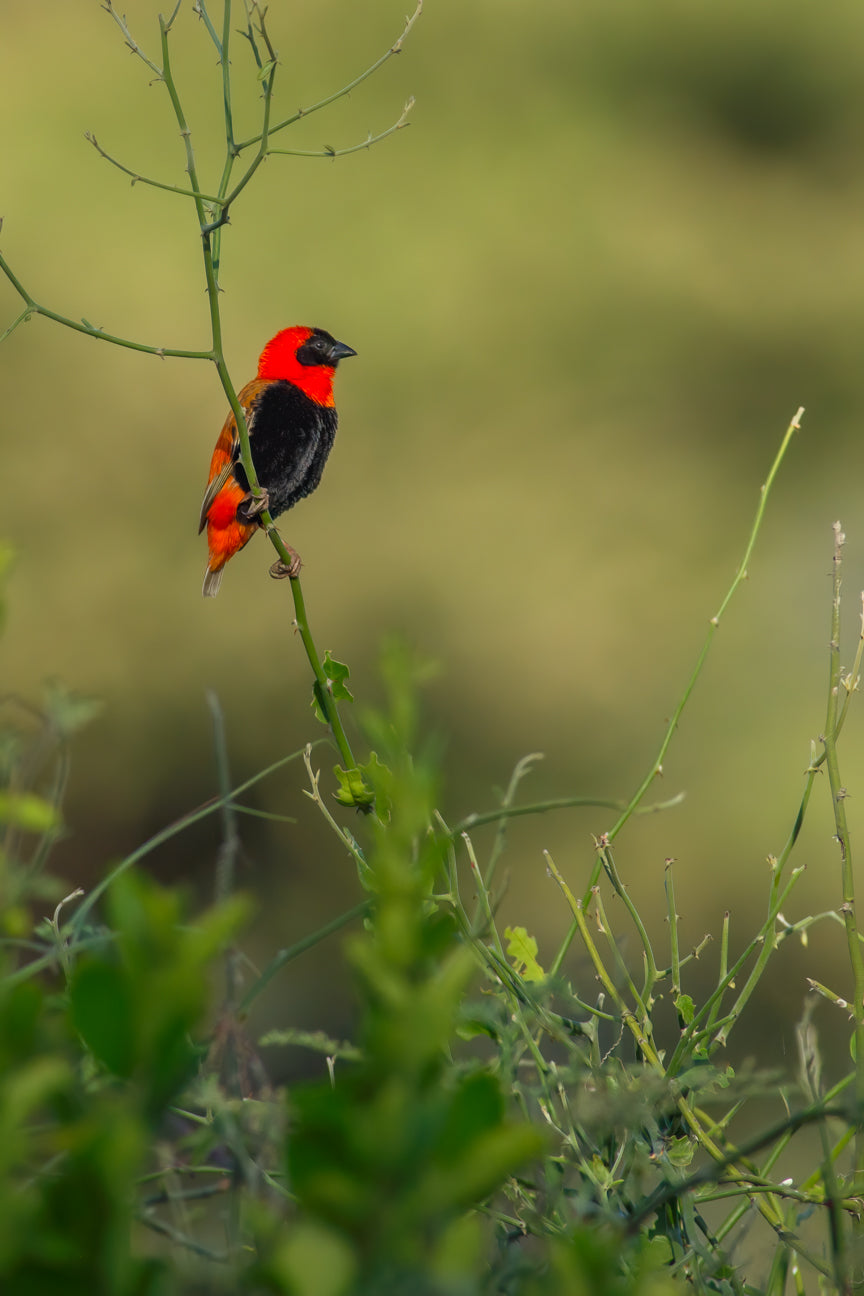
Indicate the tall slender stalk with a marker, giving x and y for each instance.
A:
(838, 800)
(212, 213)
(740, 575)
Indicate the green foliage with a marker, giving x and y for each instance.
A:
(84, 1078)
(135, 1005)
(522, 951)
(391, 1156)
(28, 812)
(336, 674)
(355, 788)
(493, 1128)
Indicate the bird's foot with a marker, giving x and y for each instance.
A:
(252, 505)
(280, 569)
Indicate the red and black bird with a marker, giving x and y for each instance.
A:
(292, 422)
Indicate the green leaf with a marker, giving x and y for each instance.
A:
(318, 703)
(685, 1008)
(29, 1085)
(28, 812)
(313, 1260)
(459, 1253)
(487, 1161)
(479, 1019)
(603, 1176)
(476, 1106)
(658, 1252)
(103, 1013)
(353, 788)
(680, 1151)
(336, 674)
(522, 950)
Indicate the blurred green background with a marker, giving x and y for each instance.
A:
(588, 288)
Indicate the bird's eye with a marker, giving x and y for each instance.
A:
(317, 350)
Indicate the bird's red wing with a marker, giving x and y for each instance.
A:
(222, 481)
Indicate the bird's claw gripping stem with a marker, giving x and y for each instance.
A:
(280, 570)
(252, 505)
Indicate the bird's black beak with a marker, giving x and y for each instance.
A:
(339, 351)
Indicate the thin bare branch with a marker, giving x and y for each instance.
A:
(137, 178)
(346, 90)
(199, 8)
(22, 319)
(354, 148)
(83, 326)
(130, 40)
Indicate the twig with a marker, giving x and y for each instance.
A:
(838, 799)
(82, 326)
(396, 48)
(354, 148)
(294, 951)
(740, 576)
(137, 178)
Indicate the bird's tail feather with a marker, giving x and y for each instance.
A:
(212, 581)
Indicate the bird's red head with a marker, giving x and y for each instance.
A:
(306, 357)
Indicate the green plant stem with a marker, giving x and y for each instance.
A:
(130, 40)
(777, 1190)
(763, 941)
(226, 871)
(651, 974)
(370, 139)
(345, 90)
(776, 1152)
(343, 834)
(165, 834)
(627, 1015)
(740, 575)
(227, 200)
(623, 973)
(210, 224)
(206, 229)
(507, 811)
(138, 178)
(324, 694)
(20, 319)
(838, 798)
(81, 326)
(294, 951)
(181, 1239)
(227, 864)
(231, 150)
(521, 770)
(767, 938)
(200, 9)
(225, 64)
(713, 1015)
(693, 956)
(503, 970)
(709, 1175)
(646, 1047)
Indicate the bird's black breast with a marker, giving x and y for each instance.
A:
(290, 438)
